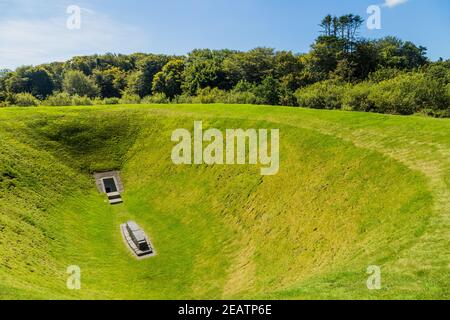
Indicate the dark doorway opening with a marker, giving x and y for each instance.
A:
(110, 185)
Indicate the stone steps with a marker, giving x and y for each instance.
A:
(115, 201)
(114, 198)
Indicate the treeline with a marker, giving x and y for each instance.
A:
(341, 71)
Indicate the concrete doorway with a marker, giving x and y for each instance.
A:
(110, 183)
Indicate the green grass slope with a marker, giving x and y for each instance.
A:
(353, 190)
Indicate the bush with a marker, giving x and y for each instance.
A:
(59, 99)
(268, 92)
(81, 101)
(436, 113)
(408, 94)
(208, 95)
(4, 104)
(106, 101)
(25, 100)
(235, 97)
(110, 101)
(287, 98)
(157, 98)
(98, 101)
(183, 99)
(438, 73)
(130, 98)
(405, 94)
(321, 95)
(384, 74)
(356, 98)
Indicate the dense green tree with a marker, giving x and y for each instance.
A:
(201, 74)
(18, 81)
(140, 81)
(365, 58)
(3, 74)
(288, 69)
(40, 82)
(395, 53)
(137, 84)
(55, 70)
(258, 64)
(350, 25)
(345, 28)
(111, 60)
(233, 68)
(327, 26)
(285, 63)
(205, 68)
(337, 51)
(325, 55)
(345, 70)
(269, 91)
(252, 66)
(85, 64)
(170, 79)
(111, 82)
(77, 83)
(36, 81)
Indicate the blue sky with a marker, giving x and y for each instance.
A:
(33, 31)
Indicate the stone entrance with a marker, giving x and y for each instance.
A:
(110, 183)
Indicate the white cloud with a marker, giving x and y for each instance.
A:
(35, 41)
(393, 3)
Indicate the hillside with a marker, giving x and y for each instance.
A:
(353, 190)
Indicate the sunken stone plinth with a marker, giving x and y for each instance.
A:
(136, 240)
(110, 183)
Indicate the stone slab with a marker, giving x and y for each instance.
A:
(133, 248)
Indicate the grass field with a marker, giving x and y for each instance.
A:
(353, 190)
